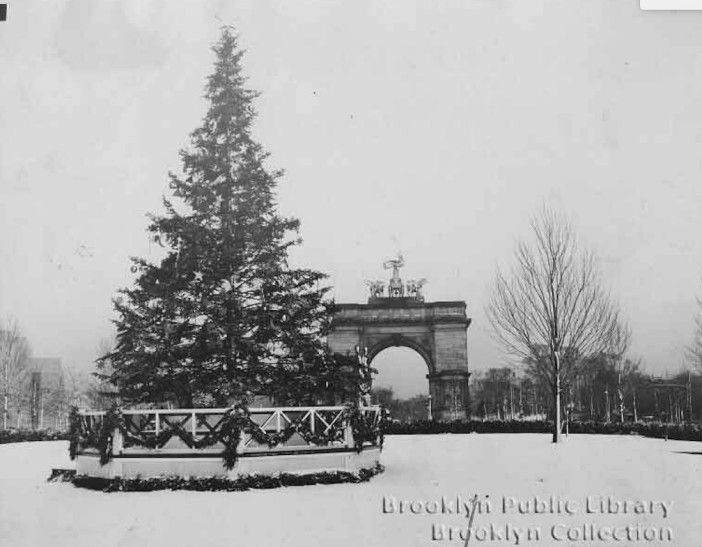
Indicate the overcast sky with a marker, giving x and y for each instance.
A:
(434, 128)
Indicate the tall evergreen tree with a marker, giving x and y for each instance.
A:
(223, 315)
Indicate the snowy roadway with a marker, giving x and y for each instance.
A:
(600, 490)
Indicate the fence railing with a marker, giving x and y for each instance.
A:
(205, 431)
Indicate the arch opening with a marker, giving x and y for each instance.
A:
(403, 371)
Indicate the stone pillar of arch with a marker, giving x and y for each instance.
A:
(435, 330)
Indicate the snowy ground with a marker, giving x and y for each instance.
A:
(418, 468)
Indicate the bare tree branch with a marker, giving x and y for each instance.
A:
(14, 357)
(551, 311)
(694, 350)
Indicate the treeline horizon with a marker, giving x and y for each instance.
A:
(602, 392)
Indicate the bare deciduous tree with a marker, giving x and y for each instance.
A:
(621, 338)
(694, 350)
(14, 355)
(551, 310)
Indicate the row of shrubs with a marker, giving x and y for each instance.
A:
(22, 435)
(203, 484)
(683, 432)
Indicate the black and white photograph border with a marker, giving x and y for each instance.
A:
(350, 273)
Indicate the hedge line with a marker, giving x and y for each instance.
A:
(474, 426)
(683, 432)
(205, 484)
(22, 435)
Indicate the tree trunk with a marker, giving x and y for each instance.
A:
(620, 398)
(557, 399)
(607, 413)
(636, 418)
(688, 400)
(185, 399)
(521, 407)
(533, 401)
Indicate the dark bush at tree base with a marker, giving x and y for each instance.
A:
(683, 432)
(204, 484)
(19, 436)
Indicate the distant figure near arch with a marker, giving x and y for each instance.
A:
(435, 330)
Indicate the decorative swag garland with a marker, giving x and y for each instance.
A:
(235, 421)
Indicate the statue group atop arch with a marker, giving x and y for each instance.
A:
(397, 314)
(395, 287)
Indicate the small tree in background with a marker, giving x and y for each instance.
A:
(551, 310)
(14, 358)
(99, 392)
(382, 395)
(694, 350)
(222, 316)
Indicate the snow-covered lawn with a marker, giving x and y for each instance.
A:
(418, 468)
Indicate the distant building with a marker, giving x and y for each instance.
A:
(50, 369)
(46, 397)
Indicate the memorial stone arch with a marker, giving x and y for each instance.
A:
(435, 330)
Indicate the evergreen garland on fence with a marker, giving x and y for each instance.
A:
(112, 420)
(364, 427)
(74, 432)
(236, 421)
